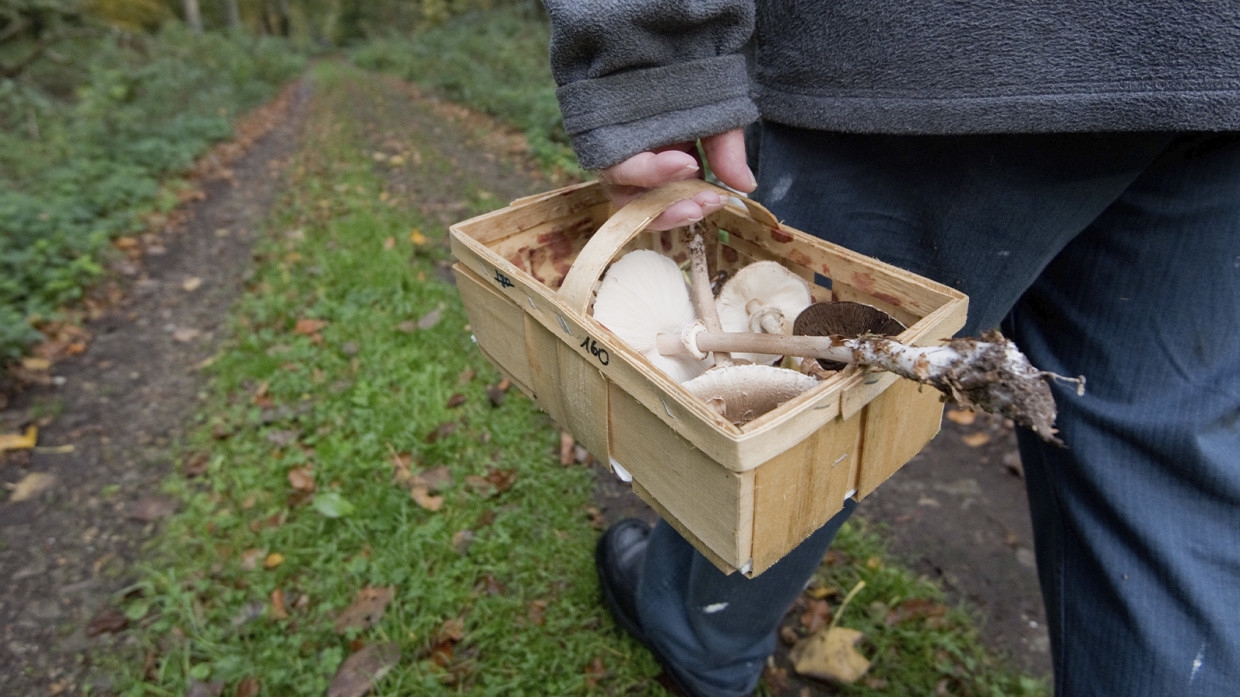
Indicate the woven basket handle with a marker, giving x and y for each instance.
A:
(627, 223)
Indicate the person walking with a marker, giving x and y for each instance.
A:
(1075, 169)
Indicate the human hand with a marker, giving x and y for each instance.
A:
(725, 153)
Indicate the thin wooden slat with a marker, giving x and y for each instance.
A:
(569, 388)
(798, 491)
(897, 425)
(711, 501)
(497, 323)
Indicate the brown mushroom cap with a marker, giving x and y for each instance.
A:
(847, 319)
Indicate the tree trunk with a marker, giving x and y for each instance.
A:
(232, 15)
(193, 17)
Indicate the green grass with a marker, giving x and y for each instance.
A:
(495, 62)
(343, 401)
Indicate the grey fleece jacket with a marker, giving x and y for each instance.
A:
(636, 74)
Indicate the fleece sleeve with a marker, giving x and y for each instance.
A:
(637, 74)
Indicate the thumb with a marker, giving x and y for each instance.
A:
(725, 153)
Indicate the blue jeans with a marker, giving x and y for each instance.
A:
(1114, 256)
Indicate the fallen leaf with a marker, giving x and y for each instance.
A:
(109, 620)
(817, 615)
(19, 441)
(332, 505)
(33, 485)
(595, 672)
(443, 643)
(248, 687)
(197, 688)
(456, 400)
(416, 237)
(443, 430)
(389, 243)
(250, 557)
(185, 335)
(461, 541)
(36, 365)
(421, 495)
(151, 508)
(279, 610)
(915, 608)
(537, 612)
(976, 440)
(301, 478)
(567, 454)
(273, 560)
(431, 318)
(360, 671)
(467, 376)
(830, 655)
(191, 284)
(308, 327)
(963, 417)
(366, 610)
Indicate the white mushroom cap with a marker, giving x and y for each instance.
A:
(642, 295)
(742, 393)
(764, 298)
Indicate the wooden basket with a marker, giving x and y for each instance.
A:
(743, 496)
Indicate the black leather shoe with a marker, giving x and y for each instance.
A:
(618, 558)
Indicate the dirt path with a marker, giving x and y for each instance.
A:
(956, 512)
(111, 417)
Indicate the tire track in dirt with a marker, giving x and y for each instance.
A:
(113, 416)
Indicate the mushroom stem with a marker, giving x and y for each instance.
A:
(989, 374)
(703, 296)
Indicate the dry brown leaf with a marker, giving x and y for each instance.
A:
(537, 612)
(301, 478)
(309, 327)
(279, 610)
(817, 615)
(185, 335)
(976, 440)
(215, 688)
(273, 560)
(461, 541)
(109, 620)
(367, 608)
(830, 655)
(248, 687)
(595, 672)
(456, 400)
(19, 441)
(151, 508)
(250, 558)
(360, 671)
(567, 445)
(431, 318)
(421, 495)
(963, 417)
(33, 485)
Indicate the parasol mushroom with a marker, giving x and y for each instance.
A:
(990, 374)
(844, 318)
(641, 295)
(743, 392)
(763, 297)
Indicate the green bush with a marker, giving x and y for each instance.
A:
(85, 145)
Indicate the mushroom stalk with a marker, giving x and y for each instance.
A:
(989, 374)
(703, 296)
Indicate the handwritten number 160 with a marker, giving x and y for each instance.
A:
(599, 353)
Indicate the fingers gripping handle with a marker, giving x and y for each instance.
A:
(627, 223)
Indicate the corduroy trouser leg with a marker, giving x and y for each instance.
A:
(1113, 256)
